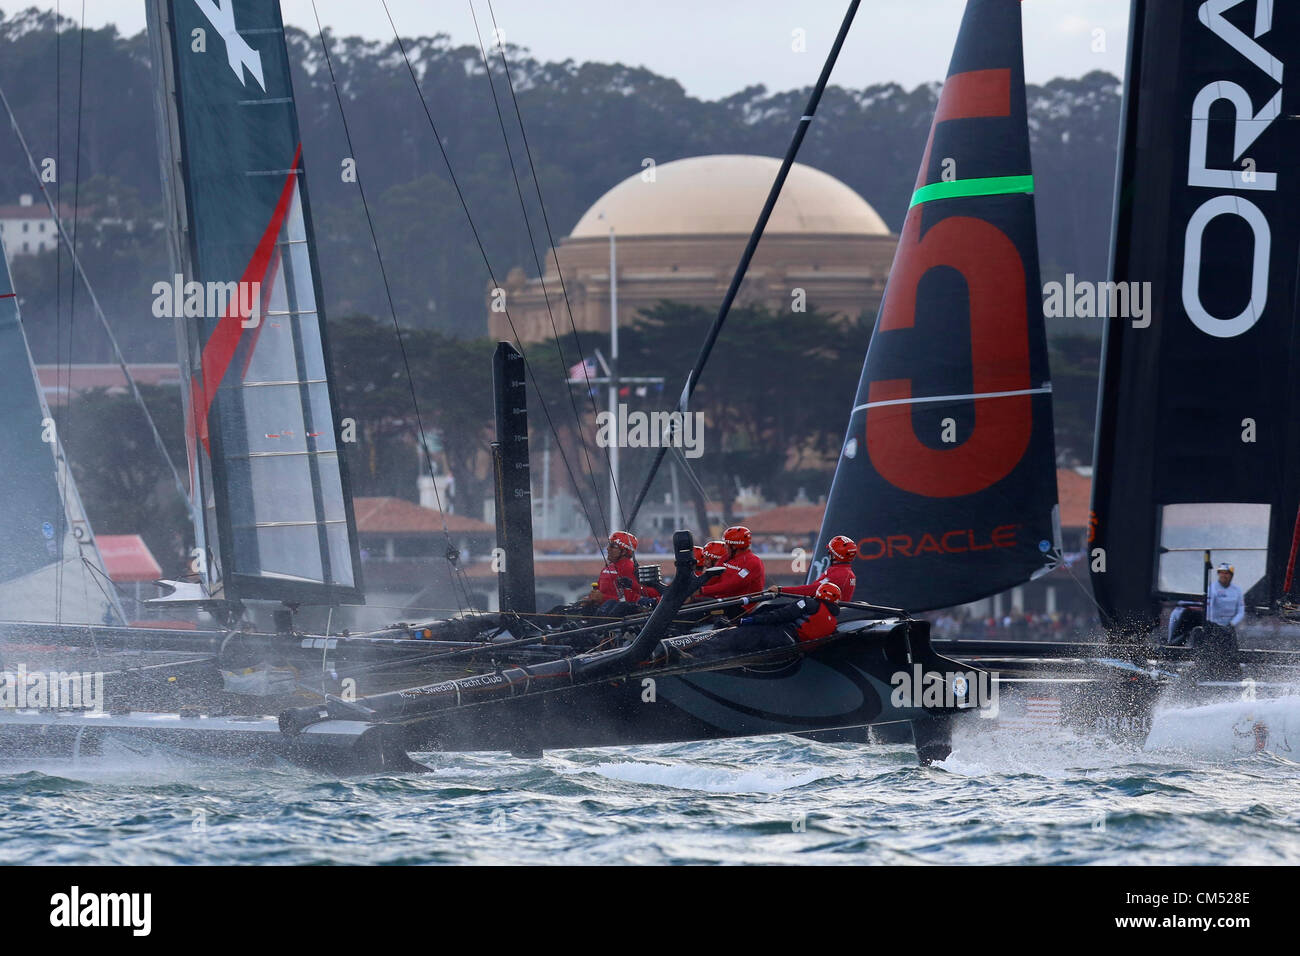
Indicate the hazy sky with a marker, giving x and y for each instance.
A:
(716, 47)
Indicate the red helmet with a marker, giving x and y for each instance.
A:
(842, 548)
(699, 555)
(827, 591)
(714, 552)
(738, 537)
(623, 539)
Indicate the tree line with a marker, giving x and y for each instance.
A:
(86, 99)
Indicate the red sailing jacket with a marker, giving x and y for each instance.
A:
(840, 573)
(812, 617)
(744, 574)
(608, 580)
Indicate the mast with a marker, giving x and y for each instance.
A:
(947, 475)
(1198, 427)
(613, 377)
(271, 491)
(514, 499)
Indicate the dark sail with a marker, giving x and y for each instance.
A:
(50, 567)
(1198, 437)
(947, 475)
(276, 516)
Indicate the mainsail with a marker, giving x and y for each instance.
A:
(947, 474)
(270, 489)
(1198, 437)
(50, 567)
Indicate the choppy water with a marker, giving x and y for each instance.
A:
(1002, 797)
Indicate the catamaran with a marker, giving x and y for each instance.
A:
(948, 458)
(274, 527)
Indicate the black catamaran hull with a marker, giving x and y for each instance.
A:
(846, 680)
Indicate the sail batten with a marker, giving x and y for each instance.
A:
(946, 479)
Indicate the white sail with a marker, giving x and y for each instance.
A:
(50, 567)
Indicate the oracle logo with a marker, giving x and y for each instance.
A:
(1247, 128)
(958, 541)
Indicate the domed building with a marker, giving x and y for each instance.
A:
(679, 230)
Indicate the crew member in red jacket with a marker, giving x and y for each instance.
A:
(743, 572)
(813, 617)
(617, 581)
(715, 552)
(842, 550)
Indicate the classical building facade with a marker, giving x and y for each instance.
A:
(27, 229)
(678, 231)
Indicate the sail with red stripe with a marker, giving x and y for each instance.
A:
(946, 478)
(270, 489)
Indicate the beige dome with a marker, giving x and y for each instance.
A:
(723, 195)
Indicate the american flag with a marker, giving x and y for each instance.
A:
(1039, 712)
(583, 370)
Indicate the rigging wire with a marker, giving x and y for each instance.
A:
(458, 573)
(61, 519)
(64, 472)
(600, 544)
(801, 129)
(532, 245)
(550, 238)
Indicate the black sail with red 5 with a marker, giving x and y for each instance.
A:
(947, 474)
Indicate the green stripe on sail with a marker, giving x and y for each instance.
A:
(961, 188)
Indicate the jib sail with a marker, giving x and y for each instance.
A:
(50, 567)
(947, 475)
(270, 488)
(1198, 438)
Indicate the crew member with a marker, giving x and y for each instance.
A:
(842, 550)
(743, 572)
(715, 552)
(813, 617)
(617, 581)
(1224, 603)
(1214, 644)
